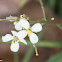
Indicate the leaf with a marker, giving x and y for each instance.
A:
(16, 57)
(59, 26)
(51, 4)
(28, 55)
(56, 58)
(60, 8)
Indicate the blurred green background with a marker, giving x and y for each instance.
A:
(55, 6)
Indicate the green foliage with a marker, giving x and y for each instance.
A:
(59, 26)
(29, 54)
(56, 58)
(55, 5)
(51, 4)
(16, 57)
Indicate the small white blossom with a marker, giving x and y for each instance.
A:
(15, 45)
(22, 23)
(29, 31)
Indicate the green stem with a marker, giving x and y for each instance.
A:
(2, 19)
(43, 10)
(42, 21)
(36, 50)
(16, 57)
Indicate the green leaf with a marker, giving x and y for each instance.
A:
(16, 57)
(60, 8)
(59, 26)
(56, 58)
(51, 4)
(28, 54)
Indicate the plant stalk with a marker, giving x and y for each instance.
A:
(42, 7)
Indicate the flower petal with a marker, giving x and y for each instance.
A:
(22, 40)
(14, 47)
(33, 38)
(36, 27)
(14, 33)
(24, 23)
(18, 26)
(22, 34)
(7, 37)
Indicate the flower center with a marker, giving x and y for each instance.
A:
(21, 18)
(28, 32)
(13, 42)
(15, 39)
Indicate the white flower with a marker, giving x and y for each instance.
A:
(21, 23)
(29, 31)
(15, 45)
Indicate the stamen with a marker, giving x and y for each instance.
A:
(28, 32)
(13, 42)
(15, 39)
(36, 50)
(21, 18)
(18, 40)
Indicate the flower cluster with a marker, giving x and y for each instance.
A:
(23, 29)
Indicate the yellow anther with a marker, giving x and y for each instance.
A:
(21, 18)
(18, 40)
(28, 32)
(13, 42)
(52, 18)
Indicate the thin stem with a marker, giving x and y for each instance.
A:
(36, 50)
(2, 19)
(43, 10)
(42, 21)
(8, 20)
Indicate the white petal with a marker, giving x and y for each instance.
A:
(24, 23)
(7, 37)
(14, 33)
(33, 38)
(36, 27)
(18, 26)
(22, 34)
(14, 47)
(23, 41)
